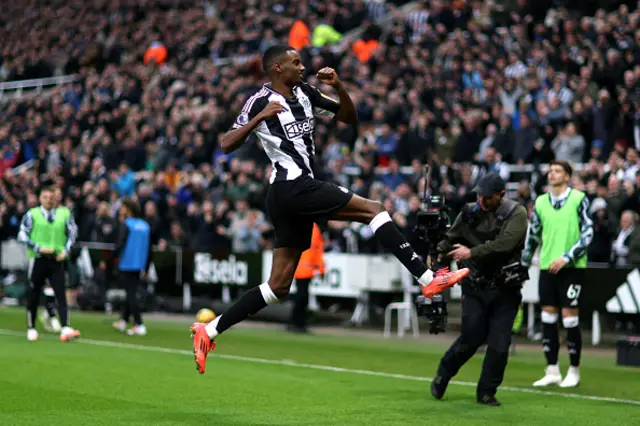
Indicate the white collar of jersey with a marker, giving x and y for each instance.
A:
(560, 197)
(293, 90)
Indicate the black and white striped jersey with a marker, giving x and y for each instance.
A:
(288, 137)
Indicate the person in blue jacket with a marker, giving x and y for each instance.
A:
(134, 251)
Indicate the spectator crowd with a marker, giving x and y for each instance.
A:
(469, 86)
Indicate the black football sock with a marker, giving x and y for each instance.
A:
(550, 342)
(250, 303)
(574, 343)
(391, 237)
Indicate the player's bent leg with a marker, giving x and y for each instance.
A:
(359, 209)
(363, 210)
(285, 261)
(571, 321)
(549, 317)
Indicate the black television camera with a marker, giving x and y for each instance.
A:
(433, 221)
(435, 311)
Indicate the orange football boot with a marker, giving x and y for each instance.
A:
(202, 345)
(443, 280)
(68, 334)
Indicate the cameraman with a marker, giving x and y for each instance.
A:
(485, 237)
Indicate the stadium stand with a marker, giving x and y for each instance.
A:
(471, 85)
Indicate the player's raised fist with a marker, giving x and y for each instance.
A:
(272, 109)
(328, 76)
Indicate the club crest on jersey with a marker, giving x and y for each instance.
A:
(297, 129)
(306, 104)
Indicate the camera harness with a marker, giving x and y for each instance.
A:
(470, 215)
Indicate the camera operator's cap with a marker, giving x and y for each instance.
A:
(489, 184)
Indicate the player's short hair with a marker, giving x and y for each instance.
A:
(272, 54)
(564, 164)
(49, 188)
(132, 206)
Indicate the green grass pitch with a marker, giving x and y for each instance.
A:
(262, 376)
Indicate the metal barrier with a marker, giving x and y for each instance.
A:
(37, 84)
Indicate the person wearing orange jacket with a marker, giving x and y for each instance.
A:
(299, 35)
(311, 264)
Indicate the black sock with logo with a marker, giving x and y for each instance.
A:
(391, 237)
(550, 342)
(574, 343)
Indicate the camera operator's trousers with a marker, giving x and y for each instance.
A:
(487, 316)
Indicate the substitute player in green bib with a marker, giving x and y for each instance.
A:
(49, 234)
(561, 226)
(49, 316)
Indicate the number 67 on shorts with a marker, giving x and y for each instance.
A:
(561, 290)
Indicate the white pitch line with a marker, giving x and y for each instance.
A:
(331, 368)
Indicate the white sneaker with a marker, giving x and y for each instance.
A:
(32, 334)
(68, 334)
(572, 379)
(120, 325)
(552, 377)
(56, 327)
(137, 330)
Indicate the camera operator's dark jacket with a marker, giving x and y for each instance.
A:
(496, 239)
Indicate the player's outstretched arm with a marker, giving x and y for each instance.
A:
(234, 138)
(347, 112)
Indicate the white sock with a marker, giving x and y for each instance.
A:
(379, 220)
(211, 328)
(267, 294)
(426, 278)
(66, 330)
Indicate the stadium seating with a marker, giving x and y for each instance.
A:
(471, 86)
